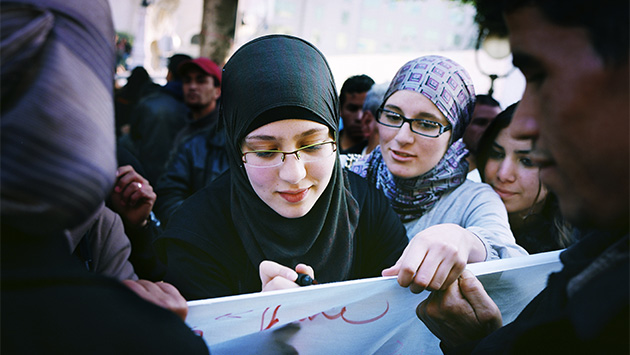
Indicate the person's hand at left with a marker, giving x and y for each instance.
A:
(162, 294)
(436, 257)
(463, 312)
(279, 277)
(133, 197)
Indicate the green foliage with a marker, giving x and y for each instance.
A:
(128, 36)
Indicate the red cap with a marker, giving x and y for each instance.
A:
(204, 64)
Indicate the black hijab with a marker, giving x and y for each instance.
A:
(273, 78)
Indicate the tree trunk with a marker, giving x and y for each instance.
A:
(217, 29)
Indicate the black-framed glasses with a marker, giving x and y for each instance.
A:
(272, 158)
(422, 127)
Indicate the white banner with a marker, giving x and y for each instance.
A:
(368, 316)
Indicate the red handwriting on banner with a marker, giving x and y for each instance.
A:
(230, 315)
(398, 347)
(342, 314)
(273, 321)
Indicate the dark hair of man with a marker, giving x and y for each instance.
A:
(174, 62)
(355, 84)
(606, 22)
(486, 100)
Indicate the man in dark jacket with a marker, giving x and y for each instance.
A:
(198, 155)
(574, 55)
(351, 98)
(194, 164)
(202, 88)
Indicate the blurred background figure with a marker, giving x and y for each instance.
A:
(353, 92)
(372, 102)
(486, 109)
(155, 121)
(125, 98)
(123, 50)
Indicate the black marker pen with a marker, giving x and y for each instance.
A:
(305, 280)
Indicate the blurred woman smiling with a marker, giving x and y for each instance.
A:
(504, 163)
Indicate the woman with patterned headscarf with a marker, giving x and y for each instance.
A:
(285, 206)
(421, 167)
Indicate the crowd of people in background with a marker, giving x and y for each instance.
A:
(123, 204)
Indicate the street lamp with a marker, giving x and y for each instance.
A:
(496, 47)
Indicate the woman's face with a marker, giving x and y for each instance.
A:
(406, 153)
(291, 188)
(510, 172)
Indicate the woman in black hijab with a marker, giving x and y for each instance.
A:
(285, 198)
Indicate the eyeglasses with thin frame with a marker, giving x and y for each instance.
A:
(419, 126)
(273, 158)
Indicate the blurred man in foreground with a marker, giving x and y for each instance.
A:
(574, 55)
(58, 164)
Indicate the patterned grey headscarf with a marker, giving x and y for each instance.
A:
(57, 129)
(449, 87)
(445, 83)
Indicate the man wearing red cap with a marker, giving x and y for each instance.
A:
(198, 155)
(202, 88)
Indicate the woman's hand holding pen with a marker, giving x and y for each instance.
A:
(278, 277)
